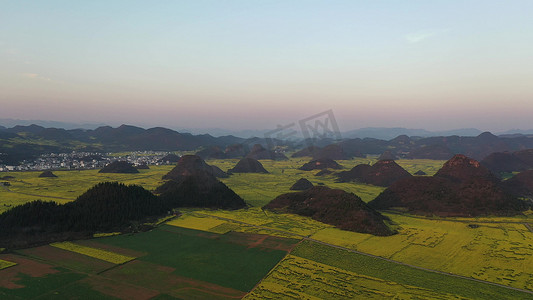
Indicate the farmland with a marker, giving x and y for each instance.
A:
(301, 278)
(30, 278)
(193, 256)
(169, 261)
(495, 252)
(104, 255)
(6, 264)
(401, 274)
(259, 189)
(176, 261)
(226, 254)
(68, 185)
(256, 189)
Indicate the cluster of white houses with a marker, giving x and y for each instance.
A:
(85, 160)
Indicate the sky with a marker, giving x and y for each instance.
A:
(435, 65)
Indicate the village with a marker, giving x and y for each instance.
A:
(87, 160)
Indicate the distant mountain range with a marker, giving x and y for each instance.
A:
(385, 133)
(26, 142)
(20, 143)
(50, 124)
(382, 133)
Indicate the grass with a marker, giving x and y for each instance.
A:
(201, 257)
(33, 287)
(105, 255)
(401, 274)
(160, 278)
(184, 264)
(77, 290)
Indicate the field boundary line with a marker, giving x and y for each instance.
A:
(273, 268)
(378, 257)
(213, 293)
(116, 265)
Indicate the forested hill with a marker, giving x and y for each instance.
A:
(106, 207)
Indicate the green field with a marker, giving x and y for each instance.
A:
(205, 253)
(204, 258)
(170, 262)
(31, 279)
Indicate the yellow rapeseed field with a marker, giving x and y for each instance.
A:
(256, 189)
(286, 222)
(108, 256)
(105, 234)
(6, 264)
(200, 220)
(300, 278)
(27, 186)
(496, 252)
(195, 222)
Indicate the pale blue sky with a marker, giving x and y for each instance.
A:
(255, 64)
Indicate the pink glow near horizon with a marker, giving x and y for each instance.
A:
(248, 66)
